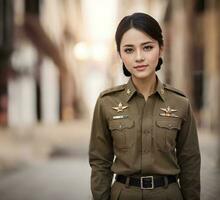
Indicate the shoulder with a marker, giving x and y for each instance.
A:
(177, 99)
(112, 90)
(174, 90)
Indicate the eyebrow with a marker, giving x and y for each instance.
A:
(144, 43)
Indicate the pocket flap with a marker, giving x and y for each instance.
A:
(171, 124)
(120, 124)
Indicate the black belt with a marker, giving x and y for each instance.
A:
(146, 182)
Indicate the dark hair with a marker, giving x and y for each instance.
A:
(144, 23)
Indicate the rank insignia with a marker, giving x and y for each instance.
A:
(168, 112)
(120, 107)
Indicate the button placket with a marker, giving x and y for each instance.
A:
(148, 123)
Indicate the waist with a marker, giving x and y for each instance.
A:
(146, 182)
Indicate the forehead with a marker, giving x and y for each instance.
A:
(135, 37)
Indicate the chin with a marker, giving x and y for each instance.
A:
(143, 75)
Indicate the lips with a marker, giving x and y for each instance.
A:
(140, 67)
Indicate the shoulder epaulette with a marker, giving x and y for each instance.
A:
(168, 87)
(112, 90)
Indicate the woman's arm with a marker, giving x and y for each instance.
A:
(189, 160)
(100, 155)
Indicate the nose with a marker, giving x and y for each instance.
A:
(139, 56)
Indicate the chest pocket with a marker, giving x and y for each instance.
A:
(166, 133)
(122, 133)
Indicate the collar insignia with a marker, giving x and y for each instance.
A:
(128, 91)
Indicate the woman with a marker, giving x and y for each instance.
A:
(144, 131)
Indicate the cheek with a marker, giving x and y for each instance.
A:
(126, 58)
(154, 56)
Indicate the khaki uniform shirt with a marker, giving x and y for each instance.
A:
(131, 136)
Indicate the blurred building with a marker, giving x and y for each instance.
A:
(42, 86)
(6, 48)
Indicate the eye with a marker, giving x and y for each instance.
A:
(128, 50)
(148, 47)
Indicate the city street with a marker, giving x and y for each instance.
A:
(61, 171)
(56, 58)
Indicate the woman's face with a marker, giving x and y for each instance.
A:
(140, 53)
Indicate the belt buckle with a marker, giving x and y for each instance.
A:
(151, 180)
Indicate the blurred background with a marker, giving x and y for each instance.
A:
(56, 56)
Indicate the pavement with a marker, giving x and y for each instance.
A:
(60, 179)
(50, 162)
(210, 165)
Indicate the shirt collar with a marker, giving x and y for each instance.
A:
(130, 89)
(160, 89)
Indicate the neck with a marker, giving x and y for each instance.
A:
(145, 86)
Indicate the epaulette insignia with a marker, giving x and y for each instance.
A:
(168, 87)
(112, 90)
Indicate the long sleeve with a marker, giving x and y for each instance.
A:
(189, 160)
(100, 155)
